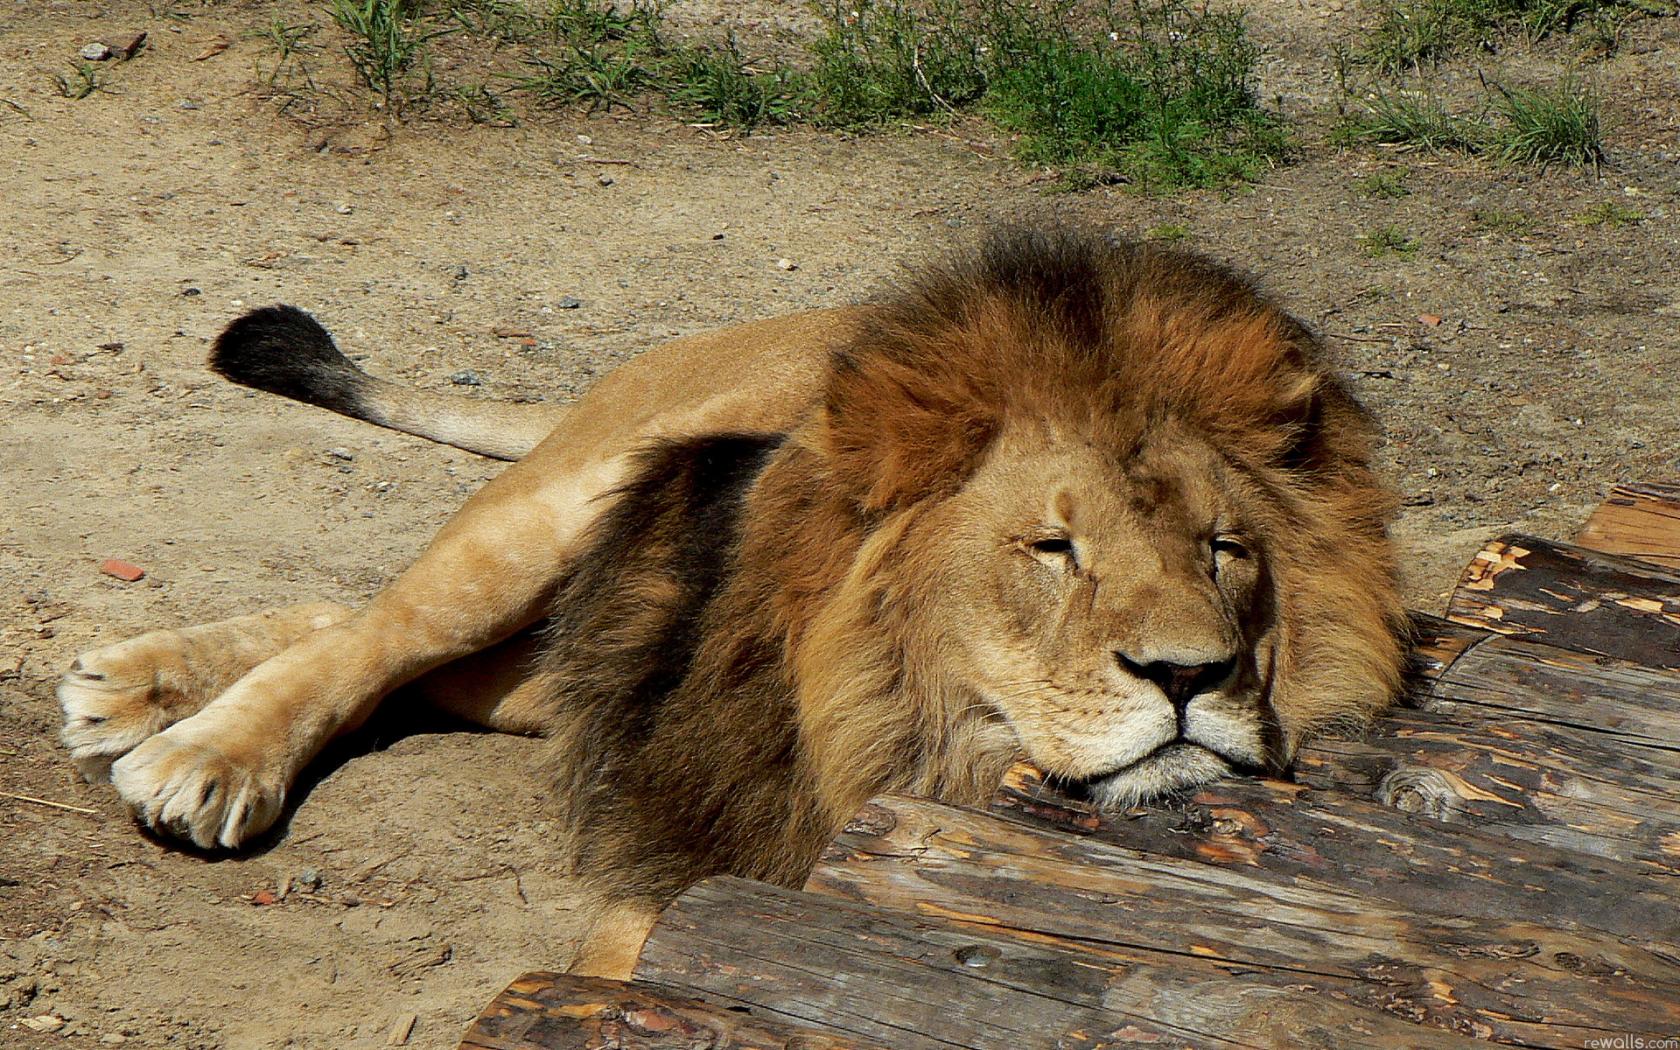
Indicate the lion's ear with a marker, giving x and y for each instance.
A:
(1325, 429)
(895, 433)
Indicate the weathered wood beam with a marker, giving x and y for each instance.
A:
(931, 983)
(1517, 776)
(1285, 832)
(1572, 597)
(556, 1011)
(1638, 519)
(1512, 980)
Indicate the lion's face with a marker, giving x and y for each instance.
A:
(1112, 605)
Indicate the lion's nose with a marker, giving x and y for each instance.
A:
(1181, 682)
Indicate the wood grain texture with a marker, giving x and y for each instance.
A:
(555, 1011)
(1436, 645)
(1510, 979)
(1638, 519)
(1284, 832)
(1573, 789)
(935, 982)
(1572, 597)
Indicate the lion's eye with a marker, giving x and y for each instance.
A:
(1228, 547)
(1052, 550)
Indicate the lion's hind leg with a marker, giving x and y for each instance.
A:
(117, 696)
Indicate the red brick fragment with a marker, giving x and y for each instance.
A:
(122, 570)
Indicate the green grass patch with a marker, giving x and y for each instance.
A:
(721, 86)
(1611, 214)
(1545, 125)
(1154, 93)
(1539, 126)
(1387, 240)
(388, 43)
(1511, 222)
(1416, 121)
(1157, 93)
(1413, 33)
(1385, 185)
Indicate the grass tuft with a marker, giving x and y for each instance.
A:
(1512, 223)
(1416, 122)
(1385, 185)
(389, 39)
(1610, 214)
(1163, 99)
(721, 87)
(1409, 34)
(1545, 125)
(84, 79)
(1387, 240)
(1558, 124)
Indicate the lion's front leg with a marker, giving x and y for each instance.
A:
(117, 696)
(220, 777)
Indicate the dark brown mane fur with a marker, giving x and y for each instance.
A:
(734, 660)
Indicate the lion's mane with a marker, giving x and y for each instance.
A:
(736, 662)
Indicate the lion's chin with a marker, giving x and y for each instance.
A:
(1173, 768)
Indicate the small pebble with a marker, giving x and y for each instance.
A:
(122, 570)
(341, 453)
(605, 180)
(568, 302)
(1429, 319)
(95, 52)
(45, 1023)
(343, 209)
(786, 264)
(467, 377)
(309, 879)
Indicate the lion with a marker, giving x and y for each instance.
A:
(1093, 503)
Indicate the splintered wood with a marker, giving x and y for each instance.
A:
(1640, 519)
(1497, 861)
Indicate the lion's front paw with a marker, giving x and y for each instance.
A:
(181, 784)
(114, 699)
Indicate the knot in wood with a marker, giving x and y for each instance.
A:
(872, 819)
(976, 956)
(649, 1021)
(1419, 789)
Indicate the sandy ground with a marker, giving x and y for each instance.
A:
(418, 865)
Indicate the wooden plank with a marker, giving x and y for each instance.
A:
(1572, 597)
(555, 1011)
(1501, 679)
(1572, 789)
(1638, 519)
(1436, 645)
(924, 983)
(1286, 832)
(1511, 980)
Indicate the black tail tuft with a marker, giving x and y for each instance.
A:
(282, 350)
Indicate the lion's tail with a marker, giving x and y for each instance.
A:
(282, 350)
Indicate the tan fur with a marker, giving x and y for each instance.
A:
(1004, 511)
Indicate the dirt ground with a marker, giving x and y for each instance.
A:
(414, 877)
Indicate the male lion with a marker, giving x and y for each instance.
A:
(1096, 503)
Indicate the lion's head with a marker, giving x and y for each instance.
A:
(1113, 510)
(1097, 503)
